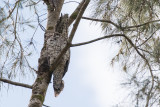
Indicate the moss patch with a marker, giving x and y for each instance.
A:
(39, 79)
(40, 97)
(74, 15)
(50, 28)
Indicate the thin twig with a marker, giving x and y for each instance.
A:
(45, 105)
(10, 13)
(145, 51)
(150, 69)
(148, 38)
(72, 2)
(128, 27)
(100, 20)
(117, 26)
(33, 3)
(39, 22)
(94, 40)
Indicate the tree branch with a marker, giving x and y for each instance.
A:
(100, 20)
(78, 18)
(10, 13)
(39, 22)
(150, 69)
(71, 2)
(128, 27)
(117, 26)
(75, 13)
(142, 56)
(94, 40)
(16, 83)
(148, 38)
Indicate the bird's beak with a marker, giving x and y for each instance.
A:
(55, 94)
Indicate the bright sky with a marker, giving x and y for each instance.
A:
(90, 81)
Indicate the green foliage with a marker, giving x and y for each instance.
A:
(139, 57)
(16, 45)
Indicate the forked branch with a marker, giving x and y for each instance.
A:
(135, 47)
(10, 13)
(117, 26)
(150, 69)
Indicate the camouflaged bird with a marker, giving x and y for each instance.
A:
(55, 46)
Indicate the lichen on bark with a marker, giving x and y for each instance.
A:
(43, 74)
(40, 97)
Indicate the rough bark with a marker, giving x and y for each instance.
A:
(55, 44)
(46, 66)
(44, 75)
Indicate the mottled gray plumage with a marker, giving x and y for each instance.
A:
(56, 44)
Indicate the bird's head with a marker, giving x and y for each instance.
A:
(58, 90)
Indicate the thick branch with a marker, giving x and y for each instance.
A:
(75, 13)
(16, 83)
(75, 25)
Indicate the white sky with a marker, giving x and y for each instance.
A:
(90, 80)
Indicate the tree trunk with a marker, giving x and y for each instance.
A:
(46, 66)
(44, 74)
